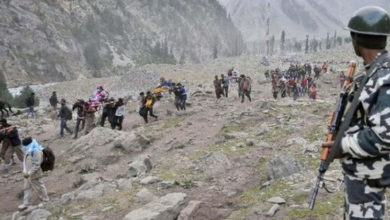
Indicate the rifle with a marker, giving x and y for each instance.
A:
(333, 128)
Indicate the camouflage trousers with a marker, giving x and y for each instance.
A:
(363, 201)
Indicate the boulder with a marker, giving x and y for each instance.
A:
(67, 197)
(132, 142)
(276, 200)
(124, 184)
(38, 214)
(177, 145)
(108, 138)
(167, 207)
(272, 210)
(145, 196)
(250, 142)
(235, 135)
(283, 166)
(297, 140)
(91, 193)
(140, 166)
(166, 184)
(188, 212)
(150, 180)
(264, 129)
(99, 136)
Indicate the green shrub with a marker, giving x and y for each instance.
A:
(20, 100)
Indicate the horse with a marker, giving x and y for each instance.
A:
(3, 108)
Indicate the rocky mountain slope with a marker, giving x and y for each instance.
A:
(56, 40)
(296, 17)
(217, 160)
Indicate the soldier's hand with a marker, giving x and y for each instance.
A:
(339, 153)
(327, 144)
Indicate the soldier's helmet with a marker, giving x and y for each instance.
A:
(370, 20)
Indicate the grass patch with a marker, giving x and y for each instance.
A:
(226, 129)
(86, 169)
(275, 135)
(123, 200)
(325, 209)
(173, 122)
(316, 134)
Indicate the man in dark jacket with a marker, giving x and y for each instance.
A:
(108, 112)
(30, 102)
(80, 105)
(64, 116)
(53, 100)
(10, 135)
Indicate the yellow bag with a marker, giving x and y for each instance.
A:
(149, 103)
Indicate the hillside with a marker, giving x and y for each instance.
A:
(48, 41)
(296, 17)
(217, 160)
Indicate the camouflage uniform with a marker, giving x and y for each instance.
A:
(367, 147)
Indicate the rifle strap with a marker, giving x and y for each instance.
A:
(355, 103)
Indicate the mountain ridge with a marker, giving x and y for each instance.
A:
(53, 40)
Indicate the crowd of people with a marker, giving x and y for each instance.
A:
(296, 81)
(244, 85)
(112, 110)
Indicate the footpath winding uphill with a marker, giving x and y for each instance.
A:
(218, 160)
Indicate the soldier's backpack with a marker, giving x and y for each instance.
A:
(48, 159)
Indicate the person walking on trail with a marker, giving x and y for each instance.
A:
(143, 112)
(295, 90)
(53, 100)
(304, 85)
(180, 97)
(9, 135)
(317, 72)
(313, 92)
(176, 92)
(275, 89)
(325, 67)
(246, 86)
(365, 146)
(225, 85)
(183, 97)
(64, 115)
(80, 106)
(109, 112)
(149, 103)
(119, 113)
(218, 87)
(30, 103)
(239, 79)
(90, 117)
(32, 173)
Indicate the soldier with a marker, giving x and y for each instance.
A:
(365, 146)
